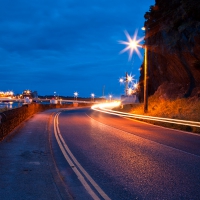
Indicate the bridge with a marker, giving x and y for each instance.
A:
(8, 99)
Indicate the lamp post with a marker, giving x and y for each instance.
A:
(145, 81)
(110, 96)
(103, 92)
(127, 79)
(92, 96)
(132, 45)
(75, 95)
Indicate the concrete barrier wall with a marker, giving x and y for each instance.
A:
(10, 119)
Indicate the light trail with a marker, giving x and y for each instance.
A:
(106, 108)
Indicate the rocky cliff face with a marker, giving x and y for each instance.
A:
(173, 43)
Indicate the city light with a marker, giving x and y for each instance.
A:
(27, 92)
(6, 94)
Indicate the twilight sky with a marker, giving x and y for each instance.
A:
(65, 46)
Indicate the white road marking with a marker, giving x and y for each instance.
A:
(75, 165)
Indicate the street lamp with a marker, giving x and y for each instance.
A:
(135, 86)
(132, 45)
(121, 80)
(130, 91)
(92, 96)
(127, 79)
(110, 96)
(75, 95)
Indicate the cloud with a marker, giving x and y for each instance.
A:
(66, 38)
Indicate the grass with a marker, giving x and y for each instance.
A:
(185, 109)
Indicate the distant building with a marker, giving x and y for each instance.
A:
(35, 94)
(129, 99)
(30, 94)
(53, 101)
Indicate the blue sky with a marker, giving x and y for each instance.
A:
(65, 46)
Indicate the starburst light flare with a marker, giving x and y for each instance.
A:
(136, 85)
(75, 94)
(130, 78)
(130, 91)
(132, 44)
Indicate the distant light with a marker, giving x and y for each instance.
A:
(129, 78)
(27, 91)
(143, 28)
(135, 85)
(92, 95)
(75, 94)
(130, 91)
(121, 80)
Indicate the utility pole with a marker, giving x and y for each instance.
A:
(146, 73)
(126, 84)
(103, 90)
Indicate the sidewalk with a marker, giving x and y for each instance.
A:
(27, 171)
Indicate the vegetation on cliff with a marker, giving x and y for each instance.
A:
(184, 109)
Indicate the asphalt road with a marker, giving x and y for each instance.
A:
(133, 160)
(92, 155)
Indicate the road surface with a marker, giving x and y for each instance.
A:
(84, 154)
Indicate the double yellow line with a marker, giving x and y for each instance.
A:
(82, 175)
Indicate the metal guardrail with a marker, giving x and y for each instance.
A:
(43, 100)
(78, 101)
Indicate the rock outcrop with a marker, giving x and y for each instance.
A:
(173, 42)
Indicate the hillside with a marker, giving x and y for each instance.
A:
(173, 42)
